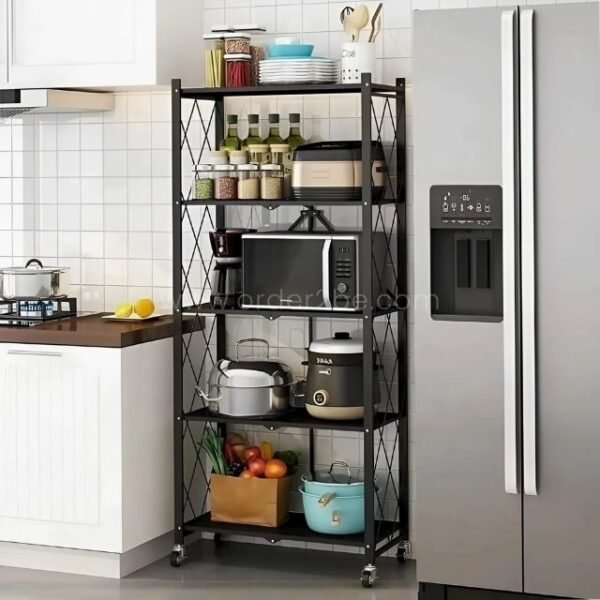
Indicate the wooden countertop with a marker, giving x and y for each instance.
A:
(92, 331)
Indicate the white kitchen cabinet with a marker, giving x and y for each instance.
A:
(99, 43)
(86, 445)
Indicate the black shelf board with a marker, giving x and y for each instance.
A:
(297, 417)
(295, 529)
(271, 204)
(207, 309)
(284, 90)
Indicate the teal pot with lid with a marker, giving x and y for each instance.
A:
(334, 515)
(339, 481)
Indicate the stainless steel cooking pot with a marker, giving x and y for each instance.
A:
(249, 387)
(33, 281)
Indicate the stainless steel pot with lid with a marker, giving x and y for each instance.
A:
(33, 282)
(251, 386)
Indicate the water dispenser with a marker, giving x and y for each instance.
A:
(466, 252)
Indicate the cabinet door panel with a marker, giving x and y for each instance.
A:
(72, 43)
(59, 408)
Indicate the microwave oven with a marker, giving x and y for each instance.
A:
(308, 271)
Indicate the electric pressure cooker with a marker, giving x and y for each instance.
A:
(334, 384)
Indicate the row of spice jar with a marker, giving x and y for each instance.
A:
(239, 182)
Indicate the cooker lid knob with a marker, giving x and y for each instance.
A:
(321, 397)
(341, 335)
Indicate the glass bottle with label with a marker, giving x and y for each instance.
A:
(274, 136)
(232, 140)
(253, 132)
(295, 138)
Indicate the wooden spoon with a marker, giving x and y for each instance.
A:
(375, 25)
(361, 19)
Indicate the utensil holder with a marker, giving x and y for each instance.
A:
(357, 58)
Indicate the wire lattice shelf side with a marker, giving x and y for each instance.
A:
(198, 120)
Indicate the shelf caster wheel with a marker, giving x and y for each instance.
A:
(218, 539)
(177, 556)
(369, 576)
(401, 555)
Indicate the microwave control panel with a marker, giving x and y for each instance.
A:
(344, 283)
(466, 207)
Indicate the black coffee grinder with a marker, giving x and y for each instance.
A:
(226, 285)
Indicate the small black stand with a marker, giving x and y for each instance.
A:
(311, 215)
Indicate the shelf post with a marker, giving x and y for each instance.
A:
(402, 315)
(366, 289)
(177, 311)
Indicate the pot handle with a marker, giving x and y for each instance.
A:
(34, 261)
(339, 463)
(207, 399)
(325, 499)
(336, 518)
(250, 340)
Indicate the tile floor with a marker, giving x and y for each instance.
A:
(232, 572)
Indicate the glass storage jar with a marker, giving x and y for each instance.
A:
(237, 43)
(238, 157)
(204, 184)
(215, 157)
(281, 155)
(259, 153)
(226, 181)
(237, 70)
(271, 182)
(214, 62)
(248, 182)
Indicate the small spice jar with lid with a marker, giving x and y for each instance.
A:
(215, 157)
(271, 182)
(204, 185)
(238, 157)
(248, 182)
(259, 153)
(226, 181)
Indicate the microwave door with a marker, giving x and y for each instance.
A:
(286, 272)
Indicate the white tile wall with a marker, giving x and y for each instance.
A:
(80, 190)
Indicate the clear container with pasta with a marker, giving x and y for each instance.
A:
(214, 60)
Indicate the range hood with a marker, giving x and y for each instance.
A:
(17, 102)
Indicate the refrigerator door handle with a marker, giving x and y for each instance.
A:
(508, 245)
(528, 253)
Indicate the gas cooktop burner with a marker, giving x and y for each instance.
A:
(31, 312)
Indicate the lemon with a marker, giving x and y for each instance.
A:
(144, 307)
(124, 311)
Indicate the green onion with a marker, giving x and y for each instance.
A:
(212, 444)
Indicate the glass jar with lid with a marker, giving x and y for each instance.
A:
(215, 157)
(226, 181)
(259, 154)
(204, 185)
(238, 157)
(271, 182)
(248, 182)
(281, 155)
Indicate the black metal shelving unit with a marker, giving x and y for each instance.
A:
(386, 454)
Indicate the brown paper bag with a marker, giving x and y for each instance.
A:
(250, 501)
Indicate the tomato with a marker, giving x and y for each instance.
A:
(257, 466)
(275, 469)
(247, 474)
(252, 453)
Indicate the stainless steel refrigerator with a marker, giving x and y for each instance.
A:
(507, 300)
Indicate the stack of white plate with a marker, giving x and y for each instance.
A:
(299, 70)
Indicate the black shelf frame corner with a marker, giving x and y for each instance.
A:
(380, 535)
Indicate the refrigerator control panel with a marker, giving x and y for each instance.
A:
(466, 207)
